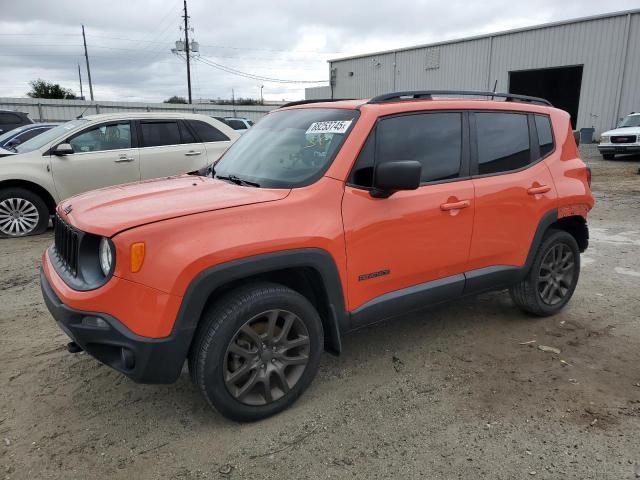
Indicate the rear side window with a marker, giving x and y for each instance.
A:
(545, 137)
(236, 124)
(187, 136)
(155, 134)
(206, 132)
(433, 139)
(503, 142)
(10, 118)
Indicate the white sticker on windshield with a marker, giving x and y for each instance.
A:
(332, 126)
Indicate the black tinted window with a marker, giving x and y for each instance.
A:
(545, 137)
(9, 118)
(362, 174)
(503, 142)
(187, 136)
(206, 132)
(433, 139)
(160, 133)
(236, 124)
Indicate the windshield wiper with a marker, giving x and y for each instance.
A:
(237, 180)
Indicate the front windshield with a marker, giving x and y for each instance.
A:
(631, 121)
(287, 149)
(41, 140)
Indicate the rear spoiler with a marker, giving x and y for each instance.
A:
(576, 136)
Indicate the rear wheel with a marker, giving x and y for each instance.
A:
(22, 213)
(608, 156)
(552, 278)
(257, 351)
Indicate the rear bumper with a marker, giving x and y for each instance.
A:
(143, 359)
(619, 149)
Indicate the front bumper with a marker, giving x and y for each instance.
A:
(143, 359)
(619, 148)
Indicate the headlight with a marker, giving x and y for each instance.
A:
(106, 256)
(604, 139)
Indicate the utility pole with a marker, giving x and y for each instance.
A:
(80, 78)
(86, 56)
(186, 46)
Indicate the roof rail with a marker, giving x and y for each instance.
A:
(320, 100)
(428, 95)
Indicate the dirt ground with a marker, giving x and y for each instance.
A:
(460, 391)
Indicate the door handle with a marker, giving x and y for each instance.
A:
(455, 205)
(124, 159)
(192, 153)
(539, 189)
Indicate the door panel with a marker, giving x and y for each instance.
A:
(103, 156)
(81, 172)
(406, 239)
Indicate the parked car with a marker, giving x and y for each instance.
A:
(239, 124)
(10, 119)
(15, 137)
(99, 151)
(623, 139)
(322, 219)
(6, 153)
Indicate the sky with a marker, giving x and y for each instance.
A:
(130, 41)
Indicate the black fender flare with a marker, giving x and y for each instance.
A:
(208, 281)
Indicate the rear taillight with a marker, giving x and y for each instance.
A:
(589, 176)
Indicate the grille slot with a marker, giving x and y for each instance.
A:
(66, 245)
(624, 139)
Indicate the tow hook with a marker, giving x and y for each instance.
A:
(73, 347)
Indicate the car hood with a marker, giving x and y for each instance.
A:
(111, 210)
(623, 131)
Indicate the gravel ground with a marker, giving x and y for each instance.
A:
(459, 391)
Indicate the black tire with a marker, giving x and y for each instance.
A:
(211, 353)
(530, 293)
(608, 156)
(33, 205)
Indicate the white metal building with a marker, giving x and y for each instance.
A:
(588, 66)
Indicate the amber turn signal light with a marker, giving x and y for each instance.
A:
(137, 256)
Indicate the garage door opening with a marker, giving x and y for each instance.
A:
(561, 86)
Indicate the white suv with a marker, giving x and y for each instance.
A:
(624, 139)
(99, 151)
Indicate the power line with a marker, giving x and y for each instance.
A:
(252, 76)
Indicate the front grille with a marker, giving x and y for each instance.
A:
(624, 139)
(66, 245)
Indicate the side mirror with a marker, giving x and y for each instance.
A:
(63, 149)
(393, 176)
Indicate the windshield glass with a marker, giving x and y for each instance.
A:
(287, 149)
(631, 121)
(48, 136)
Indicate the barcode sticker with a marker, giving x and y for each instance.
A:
(332, 126)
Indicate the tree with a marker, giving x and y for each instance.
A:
(176, 99)
(43, 89)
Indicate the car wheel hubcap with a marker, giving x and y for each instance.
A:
(556, 274)
(266, 357)
(18, 216)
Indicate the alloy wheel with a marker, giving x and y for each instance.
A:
(556, 275)
(266, 357)
(18, 216)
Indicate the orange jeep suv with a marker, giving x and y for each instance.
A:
(323, 218)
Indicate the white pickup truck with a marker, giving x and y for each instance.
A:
(624, 139)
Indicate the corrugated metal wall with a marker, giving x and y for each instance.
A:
(475, 64)
(317, 93)
(44, 110)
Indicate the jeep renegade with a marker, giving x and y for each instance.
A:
(323, 218)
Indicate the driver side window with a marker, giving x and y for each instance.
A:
(114, 136)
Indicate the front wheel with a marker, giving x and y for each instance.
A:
(22, 213)
(257, 350)
(552, 278)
